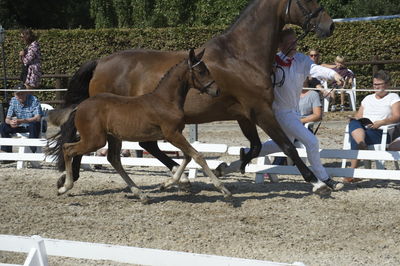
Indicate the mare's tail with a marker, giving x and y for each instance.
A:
(78, 87)
(78, 91)
(65, 119)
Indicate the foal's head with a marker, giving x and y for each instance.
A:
(200, 76)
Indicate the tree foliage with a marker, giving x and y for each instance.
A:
(67, 14)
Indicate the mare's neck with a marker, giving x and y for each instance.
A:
(255, 34)
(174, 86)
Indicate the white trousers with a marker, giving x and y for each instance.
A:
(294, 129)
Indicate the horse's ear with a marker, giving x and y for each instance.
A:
(192, 58)
(200, 55)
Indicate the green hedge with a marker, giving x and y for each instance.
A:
(64, 51)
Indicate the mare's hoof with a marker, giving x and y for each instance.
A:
(162, 187)
(145, 200)
(185, 187)
(219, 171)
(61, 181)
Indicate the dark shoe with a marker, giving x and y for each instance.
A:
(98, 166)
(332, 184)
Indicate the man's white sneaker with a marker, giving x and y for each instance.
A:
(321, 188)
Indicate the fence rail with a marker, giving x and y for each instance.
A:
(40, 248)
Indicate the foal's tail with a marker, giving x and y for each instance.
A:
(78, 87)
(67, 133)
(78, 91)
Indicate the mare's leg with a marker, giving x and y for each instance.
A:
(114, 157)
(177, 139)
(152, 148)
(178, 173)
(249, 130)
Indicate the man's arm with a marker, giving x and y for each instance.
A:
(394, 118)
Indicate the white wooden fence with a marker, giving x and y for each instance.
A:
(39, 249)
(23, 155)
(260, 167)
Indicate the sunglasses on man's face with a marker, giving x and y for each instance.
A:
(314, 55)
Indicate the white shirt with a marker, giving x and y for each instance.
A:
(378, 109)
(287, 97)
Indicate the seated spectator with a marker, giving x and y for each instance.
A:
(340, 67)
(23, 116)
(310, 107)
(381, 108)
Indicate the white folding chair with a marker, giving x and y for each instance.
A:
(377, 147)
(352, 94)
(45, 108)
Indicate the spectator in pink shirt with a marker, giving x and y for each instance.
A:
(31, 60)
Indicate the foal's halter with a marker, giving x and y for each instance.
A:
(203, 88)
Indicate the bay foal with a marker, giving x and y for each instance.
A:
(150, 117)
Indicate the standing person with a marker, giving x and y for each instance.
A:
(381, 108)
(295, 67)
(312, 82)
(23, 116)
(31, 60)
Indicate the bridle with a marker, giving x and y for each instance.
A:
(203, 88)
(307, 28)
(308, 15)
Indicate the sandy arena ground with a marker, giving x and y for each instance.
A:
(282, 222)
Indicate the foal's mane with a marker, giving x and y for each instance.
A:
(168, 73)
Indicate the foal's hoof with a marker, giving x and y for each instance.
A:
(144, 199)
(61, 181)
(227, 193)
(61, 191)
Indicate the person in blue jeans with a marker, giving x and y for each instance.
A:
(376, 110)
(23, 116)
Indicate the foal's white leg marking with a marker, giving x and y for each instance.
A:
(178, 174)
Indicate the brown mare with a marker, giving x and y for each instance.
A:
(149, 117)
(240, 60)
